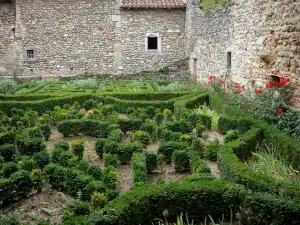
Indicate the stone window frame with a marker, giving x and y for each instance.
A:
(158, 42)
(26, 55)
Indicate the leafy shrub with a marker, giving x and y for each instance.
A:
(111, 160)
(149, 127)
(86, 83)
(211, 151)
(126, 150)
(95, 128)
(90, 104)
(95, 186)
(110, 177)
(129, 124)
(112, 194)
(198, 146)
(78, 148)
(99, 147)
(197, 165)
(37, 179)
(56, 153)
(179, 126)
(62, 145)
(30, 146)
(98, 201)
(167, 115)
(199, 129)
(142, 137)
(199, 176)
(159, 118)
(7, 86)
(46, 131)
(138, 165)
(230, 136)
(7, 151)
(150, 111)
(167, 149)
(111, 147)
(65, 158)
(7, 137)
(151, 161)
(27, 163)
(94, 171)
(180, 160)
(167, 135)
(68, 127)
(78, 207)
(21, 185)
(9, 168)
(186, 138)
(9, 220)
(116, 135)
(42, 158)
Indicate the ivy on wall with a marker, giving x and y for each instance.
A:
(208, 5)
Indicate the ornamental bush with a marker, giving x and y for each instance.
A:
(98, 201)
(180, 160)
(78, 148)
(99, 147)
(28, 146)
(7, 137)
(200, 128)
(110, 177)
(211, 150)
(27, 163)
(8, 151)
(46, 131)
(116, 135)
(111, 160)
(142, 137)
(7, 86)
(230, 136)
(37, 179)
(151, 161)
(129, 124)
(139, 170)
(68, 127)
(94, 171)
(167, 149)
(42, 158)
(9, 168)
(62, 145)
(90, 104)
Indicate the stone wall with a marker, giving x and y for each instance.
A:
(68, 36)
(262, 35)
(169, 24)
(7, 29)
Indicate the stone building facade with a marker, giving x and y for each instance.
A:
(258, 39)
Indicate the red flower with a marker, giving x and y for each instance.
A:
(229, 99)
(279, 111)
(273, 83)
(258, 92)
(269, 86)
(221, 82)
(227, 93)
(288, 80)
(221, 76)
(187, 67)
(243, 106)
(243, 87)
(282, 83)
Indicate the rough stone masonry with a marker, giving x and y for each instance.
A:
(258, 39)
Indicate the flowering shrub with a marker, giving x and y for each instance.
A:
(265, 102)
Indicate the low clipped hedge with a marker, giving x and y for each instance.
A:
(139, 169)
(7, 137)
(127, 124)
(94, 128)
(197, 199)
(167, 149)
(231, 168)
(8, 152)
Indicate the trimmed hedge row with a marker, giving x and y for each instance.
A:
(94, 128)
(197, 199)
(231, 168)
(139, 170)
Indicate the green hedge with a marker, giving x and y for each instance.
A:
(167, 149)
(7, 137)
(8, 152)
(231, 168)
(94, 128)
(197, 199)
(139, 170)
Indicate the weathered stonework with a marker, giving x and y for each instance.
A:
(263, 37)
(7, 25)
(72, 37)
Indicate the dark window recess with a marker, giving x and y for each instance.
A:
(228, 60)
(152, 43)
(30, 54)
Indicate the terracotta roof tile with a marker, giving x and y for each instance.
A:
(153, 4)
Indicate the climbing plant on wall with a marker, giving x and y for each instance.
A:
(207, 5)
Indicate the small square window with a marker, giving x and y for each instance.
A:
(152, 43)
(30, 54)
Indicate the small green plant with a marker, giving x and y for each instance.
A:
(205, 110)
(211, 150)
(78, 148)
(208, 5)
(111, 160)
(200, 128)
(98, 201)
(7, 86)
(86, 84)
(151, 161)
(99, 147)
(186, 138)
(180, 160)
(141, 136)
(37, 179)
(110, 177)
